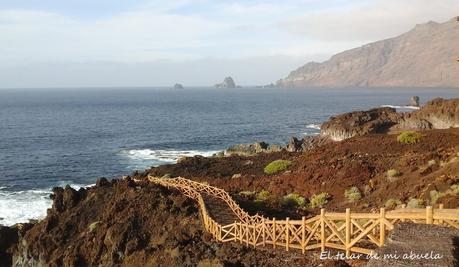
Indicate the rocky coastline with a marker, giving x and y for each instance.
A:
(121, 223)
(436, 114)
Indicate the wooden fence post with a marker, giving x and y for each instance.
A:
(322, 230)
(287, 233)
(429, 215)
(348, 232)
(382, 227)
(303, 234)
(241, 234)
(235, 231)
(263, 224)
(274, 233)
(255, 235)
(247, 234)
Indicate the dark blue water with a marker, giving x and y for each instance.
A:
(73, 136)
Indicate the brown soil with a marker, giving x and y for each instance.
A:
(120, 223)
(359, 161)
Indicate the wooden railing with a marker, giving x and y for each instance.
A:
(186, 185)
(349, 231)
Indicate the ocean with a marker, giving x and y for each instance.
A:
(55, 137)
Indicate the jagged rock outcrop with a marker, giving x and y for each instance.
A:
(8, 239)
(122, 223)
(414, 101)
(294, 145)
(423, 57)
(436, 114)
(228, 82)
(305, 144)
(251, 149)
(347, 125)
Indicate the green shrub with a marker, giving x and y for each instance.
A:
(435, 195)
(392, 203)
(409, 137)
(392, 175)
(353, 194)
(247, 193)
(319, 200)
(455, 188)
(262, 196)
(293, 200)
(277, 166)
(415, 203)
(93, 226)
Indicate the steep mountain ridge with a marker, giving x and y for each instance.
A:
(422, 57)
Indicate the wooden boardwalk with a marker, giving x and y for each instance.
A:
(347, 231)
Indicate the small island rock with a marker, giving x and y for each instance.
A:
(228, 82)
(414, 101)
(178, 86)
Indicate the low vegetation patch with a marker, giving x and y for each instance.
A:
(277, 166)
(415, 203)
(392, 174)
(455, 188)
(93, 226)
(247, 193)
(319, 200)
(409, 137)
(353, 194)
(392, 203)
(294, 200)
(262, 196)
(435, 195)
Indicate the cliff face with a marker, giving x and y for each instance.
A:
(422, 57)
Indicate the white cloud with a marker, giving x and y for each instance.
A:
(369, 21)
(198, 33)
(135, 36)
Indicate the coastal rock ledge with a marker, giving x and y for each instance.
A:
(436, 114)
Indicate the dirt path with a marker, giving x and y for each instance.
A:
(219, 210)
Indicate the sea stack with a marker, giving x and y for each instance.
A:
(414, 101)
(228, 82)
(178, 86)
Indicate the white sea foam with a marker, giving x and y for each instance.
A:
(313, 126)
(21, 206)
(306, 133)
(400, 107)
(144, 158)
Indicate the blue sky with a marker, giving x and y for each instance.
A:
(71, 43)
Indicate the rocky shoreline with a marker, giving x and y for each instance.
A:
(121, 223)
(436, 114)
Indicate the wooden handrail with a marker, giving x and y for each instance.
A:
(211, 190)
(349, 231)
